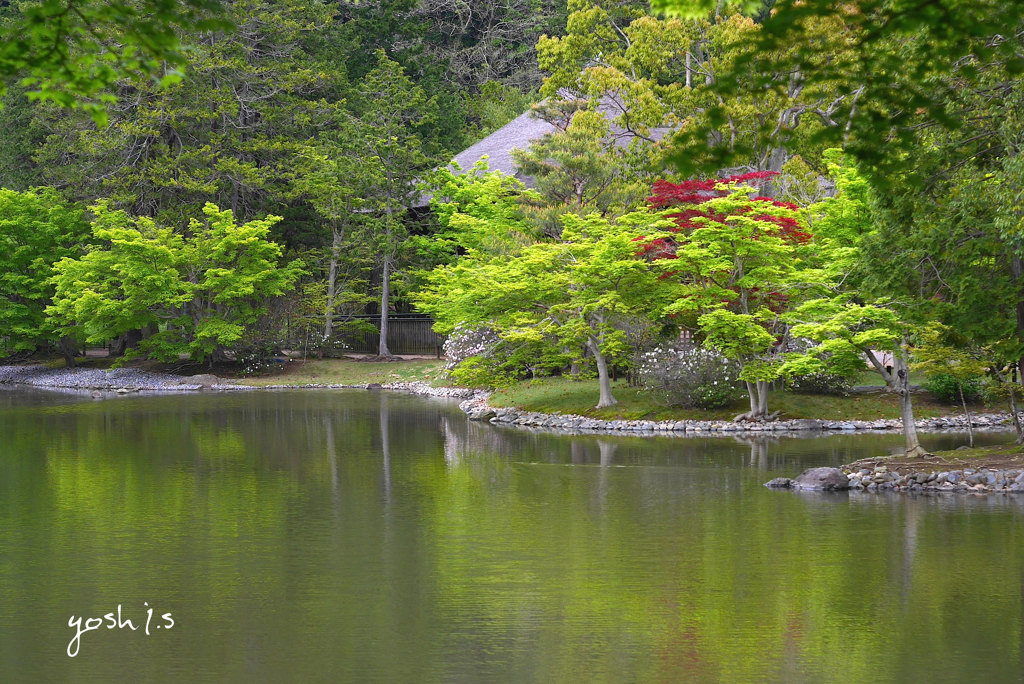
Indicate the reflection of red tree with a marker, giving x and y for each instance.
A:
(683, 656)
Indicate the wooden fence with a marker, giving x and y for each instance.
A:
(407, 334)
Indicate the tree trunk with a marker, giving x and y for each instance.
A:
(1009, 383)
(69, 348)
(1013, 412)
(332, 275)
(970, 428)
(913, 446)
(758, 393)
(603, 379)
(752, 393)
(385, 296)
(120, 346)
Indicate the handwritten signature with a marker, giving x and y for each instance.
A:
(118, 623)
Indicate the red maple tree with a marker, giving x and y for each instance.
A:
(691, 196)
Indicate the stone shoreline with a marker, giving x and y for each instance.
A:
(881, 479)
(477, 408)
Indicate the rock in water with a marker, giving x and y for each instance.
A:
(481, 414)
(779, 483)
(822, 479)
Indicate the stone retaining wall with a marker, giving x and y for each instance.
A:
(477, 408)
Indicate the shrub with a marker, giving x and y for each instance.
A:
(479, 357)
(464, 343)
(821, 383)
(479, 372)
(946, 388)
(690, 377)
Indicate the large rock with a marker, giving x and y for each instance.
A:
(805, 424)
(481, 414)
(822, 479)
(205, 380)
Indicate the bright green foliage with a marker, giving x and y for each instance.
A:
(742, 337)
(563, 294)
(739, 260)
(480, 211)
(846, 330)
(37, 229)
(202, 288)
(844, 217)
(610, 47)
(71, 51)
(578, 171)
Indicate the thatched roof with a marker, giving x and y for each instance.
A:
(526, 128)
(498, 146)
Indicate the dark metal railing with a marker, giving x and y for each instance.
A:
(407, 334)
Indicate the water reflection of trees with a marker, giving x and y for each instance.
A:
(263, 522)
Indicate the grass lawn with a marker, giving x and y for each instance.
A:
(996, 457)
(995, 451)
(346, 372)
(873, 379)
(562, 395)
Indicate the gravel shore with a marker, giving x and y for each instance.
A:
(134, 380)
(128, 379)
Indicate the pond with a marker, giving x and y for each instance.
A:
(352, 536)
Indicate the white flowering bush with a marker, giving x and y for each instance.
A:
(466, 342)
(479, 357)
(690, 377)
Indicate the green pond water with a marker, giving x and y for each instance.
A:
(351, 536)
